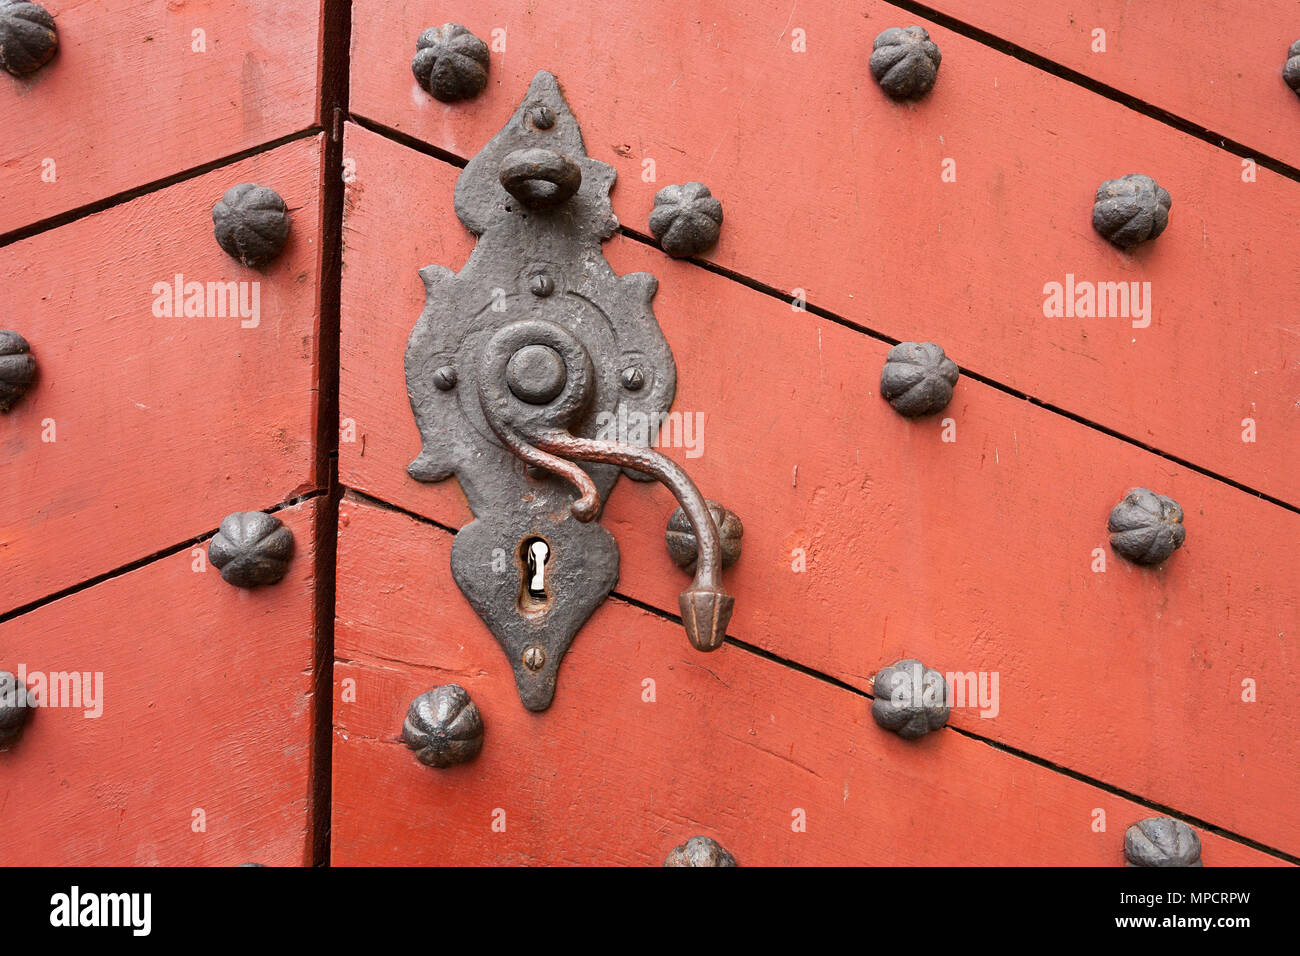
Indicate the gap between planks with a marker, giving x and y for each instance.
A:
(825, 678)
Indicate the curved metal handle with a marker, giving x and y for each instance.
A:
(555, 374)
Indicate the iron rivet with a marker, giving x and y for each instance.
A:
(700, 851)
(251, 223)
(251, 548)
(443, 726)
(445, 378)
(686, 219)
(542, 117)
(542, 285)
(28, 37)
(1162, 841)
(910, 699)
(633, 378)
(918, 378)
(17, 368)
(1291, 71)
(905, 62)
(1146, 527)
(681, 538)
(1131, 209)
(534, 658)
(15, 708)
(450, 63)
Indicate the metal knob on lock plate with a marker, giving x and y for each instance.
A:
(516, 370)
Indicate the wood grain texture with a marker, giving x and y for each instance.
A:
(162, 426)
(207, 704)
(831, 188)
(128, 100)
(731, 746)
(1223, 69)
(975, 555)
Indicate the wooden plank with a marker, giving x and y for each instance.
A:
(206, 704)
(131, 98)
(161, 426)
(1223, 73)
(832, 189)
(732, 746)
(975, 555)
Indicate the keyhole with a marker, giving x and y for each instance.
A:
(533, 596)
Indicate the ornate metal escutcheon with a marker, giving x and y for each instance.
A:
(519, 368)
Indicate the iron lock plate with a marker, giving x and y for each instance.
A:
(537, 329)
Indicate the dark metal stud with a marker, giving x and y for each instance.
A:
(542, 117)
(251, 548)
(450, 63)
(905, 62)
(15, 708)
(542, 285)
(17, 368)
(251, 223)
(918, 378)
(534, 658)
(1146, 527)
(700, 851)
(910, 699)
(1131, 209)
(445, 378)
(1291, 71)
(633, 378)
(1162, 841)
(443, 726)
(686, 219)
(28, 36)
(681, 539)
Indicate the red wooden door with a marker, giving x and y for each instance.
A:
(265, 723)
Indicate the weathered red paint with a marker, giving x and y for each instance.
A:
(1218, 65)
(975, 554)
(130, 98)
(207, 705)
(834, 192)
(160, 426)
(733, 746)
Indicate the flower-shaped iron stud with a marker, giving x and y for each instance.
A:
(443, 727)
(918, 378)
(910, 699)
(251, 548)
(1131, 209)
(450, 63)
(681, 539)
(251, 223)
(1162, 841)
(1291, 70)
(686, 219)
(17, 368)
(700, 851)
(15, 708)
(1146, 527)
(905, 62)
(28, 37)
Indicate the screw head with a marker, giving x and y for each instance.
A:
(542, 285)
(542, 117)
(444, 379)
(633, 379)
(534, 658)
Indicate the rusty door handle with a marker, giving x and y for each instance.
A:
(535, 378)
(515, 369)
